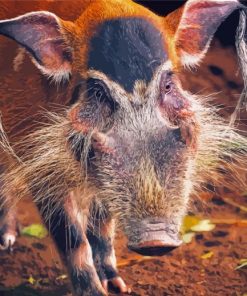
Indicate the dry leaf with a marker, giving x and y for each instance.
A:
(187, 237)
(188, 222)
(207, 255)
(31, 280)
(203, 225)
(62, 277)
(242, 263)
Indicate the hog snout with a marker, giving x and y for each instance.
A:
(154, 238)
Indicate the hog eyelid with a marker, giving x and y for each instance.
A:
(170, 74)
(101, 93)
(97, 85)
(99, 90)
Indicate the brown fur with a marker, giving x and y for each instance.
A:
(24, 98)
(40, 159)
(28, 90)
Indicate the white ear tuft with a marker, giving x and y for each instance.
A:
(190, 61)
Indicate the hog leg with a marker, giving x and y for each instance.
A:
(84, 276)
(8, 221)
(8, 228)
(68, 227)
(101, 239)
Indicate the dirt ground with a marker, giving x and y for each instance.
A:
(34, 267)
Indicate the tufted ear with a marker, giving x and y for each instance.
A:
(193, 26)
(43, 36)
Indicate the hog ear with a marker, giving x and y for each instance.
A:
(194, 25)
(42, 35)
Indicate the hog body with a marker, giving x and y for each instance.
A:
(129, 143)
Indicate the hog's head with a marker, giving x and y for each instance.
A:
(143, 145)
(141, 130)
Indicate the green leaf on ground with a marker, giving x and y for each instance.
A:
(242, 263)
(35, 230)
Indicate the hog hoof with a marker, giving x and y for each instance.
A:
(118, 283)
(8, 232)
(86, 283)
(7, 241)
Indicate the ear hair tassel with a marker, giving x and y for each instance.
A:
(241, 48)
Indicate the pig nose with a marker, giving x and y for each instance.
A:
(154, 237)
(155, 247)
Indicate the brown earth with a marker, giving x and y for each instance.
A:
(182, 272)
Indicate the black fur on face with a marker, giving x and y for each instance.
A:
(127, 50)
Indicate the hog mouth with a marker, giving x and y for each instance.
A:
(154, 242)
(153, 248)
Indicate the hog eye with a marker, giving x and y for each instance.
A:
(166, 83)
(168, 87)
(99, 92)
